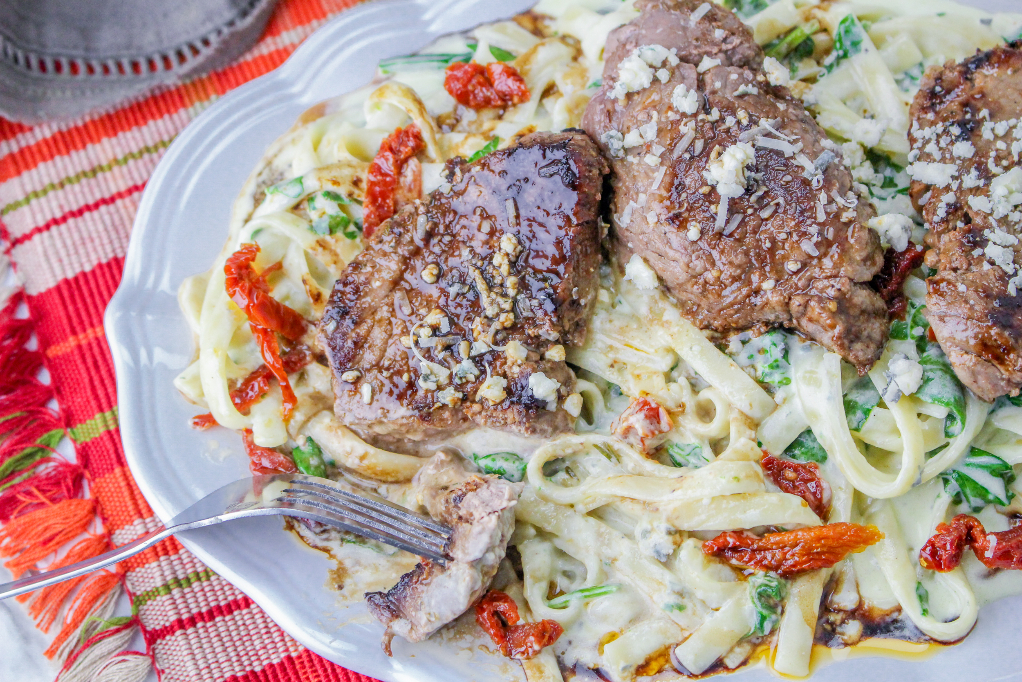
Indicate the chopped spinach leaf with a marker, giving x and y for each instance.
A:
(941, 386)
(861, 398)
(767, 593)
(686, 454)
(488, 148)
(584, 594)
(924, 598)
(499, 54)
(806, 448)
(337, 223)
(435, 60)
(848, 41)
(292, 189)
(746, 8)
(914, 327)
(507, 465)
(798, 39)
(980, 479)
(309, 458)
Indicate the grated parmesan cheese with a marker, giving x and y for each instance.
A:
(633, 74)
(963, 149)
(1006, 192)
(699, 13)
(938, 174)
(636, 71)
(573, 404)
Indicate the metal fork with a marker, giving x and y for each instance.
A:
(298, 495)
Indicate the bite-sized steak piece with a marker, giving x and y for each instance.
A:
(790, 244)
(658, 24)
(966, 140)
(480, 511)
(456, 312)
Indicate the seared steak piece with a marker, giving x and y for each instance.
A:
(457, 311)
(480, 510)
(966, 139)
(728, 188)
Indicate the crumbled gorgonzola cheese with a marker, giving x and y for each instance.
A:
(614, 141)
(706, 64)
(543, 387)
(894, 229)
(635, 72)
(727, 171)
(638, 272)
(684, 100)
(776, 72)
(492, 390)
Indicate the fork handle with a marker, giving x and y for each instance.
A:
(35, 582)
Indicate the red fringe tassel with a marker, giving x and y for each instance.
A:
(41, 504)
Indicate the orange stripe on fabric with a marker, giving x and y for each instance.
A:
(121, 504)
(73, 342)
(121, 501)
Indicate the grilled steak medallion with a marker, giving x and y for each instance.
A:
(456, 313)
(728, 188)
(966, 140)
(480, 510)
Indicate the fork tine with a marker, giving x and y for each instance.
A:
(372, 507)
(325, 513)
(438, 544)
(302, 510)
(377, 503)
(367, 514)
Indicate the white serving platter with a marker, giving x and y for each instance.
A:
(180, 227)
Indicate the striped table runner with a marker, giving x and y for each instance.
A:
(68, 195)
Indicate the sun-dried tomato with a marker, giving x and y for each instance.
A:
(898, 265)
(943, 552)
(266, 315)
(265, 460)
(802, 479)
(251, 293)
(483, 87)
(270, 350)
(495, 612)
(497, 615)
(508, 83)
(382, 177)
(525, 640)
(794, 551)
(256, 384)
(643, 420)
(201, 422)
